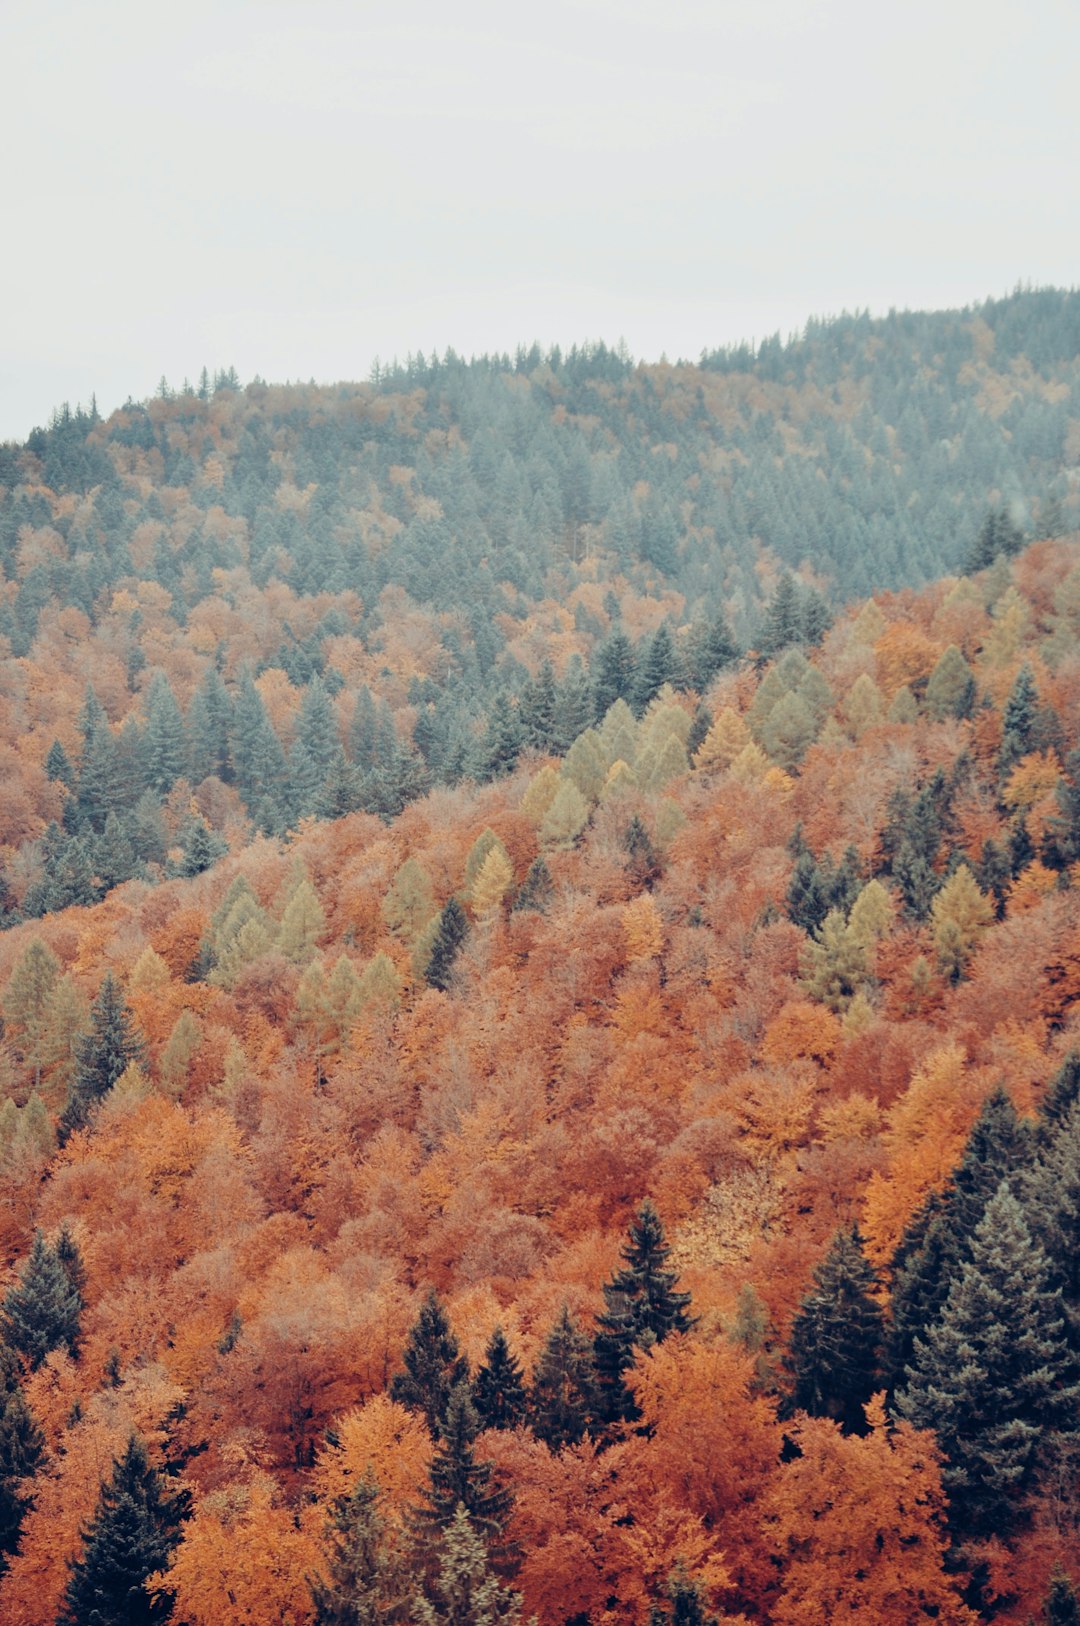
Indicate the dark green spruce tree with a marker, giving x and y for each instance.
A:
(22, 1451)
(41, 1311)
(458, 1479)
(562, 1395)
(641, 1307)
(537, 889)
(434, 1366)
(835, 1350)
(498, 1387)
(994, 1376)
(1062, 1606)
(451, 934)
(366, 1584)
(132, 1534)
(101, 1055)
(686, 1606)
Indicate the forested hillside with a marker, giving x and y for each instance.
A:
(293, 601)
(637, 1182)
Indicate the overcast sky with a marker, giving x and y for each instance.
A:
(295, 189)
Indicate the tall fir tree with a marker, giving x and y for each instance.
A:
(41, 1311)
(365, 1582)
(130, 1537)
(164, 740)
(641, 1307)
(458, 1479)
(101, 1055)
(562, 1396)
(686, 1605)
(434, 1366)
(994, 1374)
(836, 1337)
(499, 1388)
(451, 933)
(464, 1590)
(22, 1451)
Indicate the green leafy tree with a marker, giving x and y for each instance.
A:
(950, 691)
(994, 1375)
(836, 1337)
(130, 1537)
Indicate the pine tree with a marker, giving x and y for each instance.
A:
(452, 931)
(656, 666)
(994, 1375)
(783, 618)
(164, 742)
(258, 759)
(498, 1389)
(22, 1451)
(58, 765)
(836, 1337)
(366, 1584)
(317, 751)
(537, 889)
(457, 1479)
(1057, 1102)
(210, 726)
(537, 710)
(433, 1366)
(134, 1529)
(200, 847)
(1062, 1607)
(28, 1000)
(41, 1311)
(687, 1606)
(573, 705)
(1018, 721)
(940, 1237)
(562, 1395)
(614, 671)
(465, 1592)
(641, 1307)
(101, 1055)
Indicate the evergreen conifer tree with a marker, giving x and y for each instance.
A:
(22, 1450)
(641, 1307)
(131, 1535)
(164, 742)
(614, 673)
(101, 1055)
(1018, 721)
(537, 889)
(41, 1311)
(210, 726)
(457, 1479)
(1062, 1607)
(433, 1366)
(498, 1389)
(452, 931)
(836, 1337)
(365, 1584)
(686, 1604)
(464, 1591)
(994, 1375)
(562, 1395)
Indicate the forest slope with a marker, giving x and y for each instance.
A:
(781, 963)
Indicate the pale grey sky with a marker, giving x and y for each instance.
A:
(294, 189)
